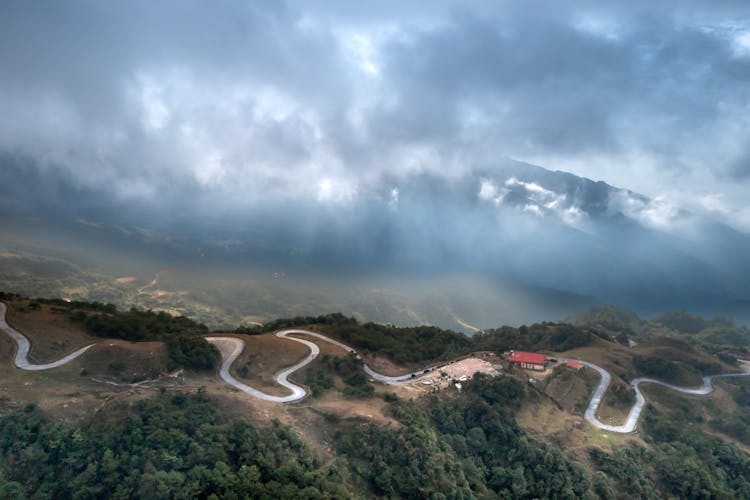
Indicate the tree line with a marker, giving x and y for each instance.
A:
(184, 337)
(461, 445)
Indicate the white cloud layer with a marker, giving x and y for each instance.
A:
(241, 102)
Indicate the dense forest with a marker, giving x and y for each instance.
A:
(463, 445)
(184, 337)
(179, 446)
(417, 345)
(355, 383)
(421, 344)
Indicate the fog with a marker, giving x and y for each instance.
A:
(511, 244)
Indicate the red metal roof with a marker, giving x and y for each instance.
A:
(573, 363)
(534, 358)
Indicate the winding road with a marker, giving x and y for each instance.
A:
(640, 401)
(24, 346)
(232, 347)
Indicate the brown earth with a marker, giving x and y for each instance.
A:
(383, 365)
(571, 389)
(325, 347)
(52, 334)
(263, 357)
(372, 409)
(115, 374)
(124, 361)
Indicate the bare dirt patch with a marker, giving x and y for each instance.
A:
(371, 409)
(448, 375)
(383, 365)
(263, 357)
(124, 361)
(571, 389)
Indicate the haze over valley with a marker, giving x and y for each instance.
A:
(510, 244)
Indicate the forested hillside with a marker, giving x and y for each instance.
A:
(182, 442)
(717, 335)
(424, 344)
(463, 446)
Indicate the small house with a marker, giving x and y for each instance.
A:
(528, 360)
(573, 364)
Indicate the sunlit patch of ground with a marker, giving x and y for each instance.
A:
(252, 319)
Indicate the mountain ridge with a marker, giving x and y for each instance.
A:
(519, 222)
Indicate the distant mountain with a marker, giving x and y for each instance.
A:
(716, 334)
(555, 230)
(621, 246)
(582, 241)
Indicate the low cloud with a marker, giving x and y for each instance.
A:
(234, 106)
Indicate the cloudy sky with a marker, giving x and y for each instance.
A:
(241, 101)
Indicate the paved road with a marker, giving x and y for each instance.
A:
(386, 379)
(634, 414)
(231, 348)
(24, 346)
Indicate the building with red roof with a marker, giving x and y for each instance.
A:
(528, 360)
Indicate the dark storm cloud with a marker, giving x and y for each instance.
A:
(546, 84)
(227, 105)
(741, 165)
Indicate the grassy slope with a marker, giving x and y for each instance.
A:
(51, 333)
(263, 357)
